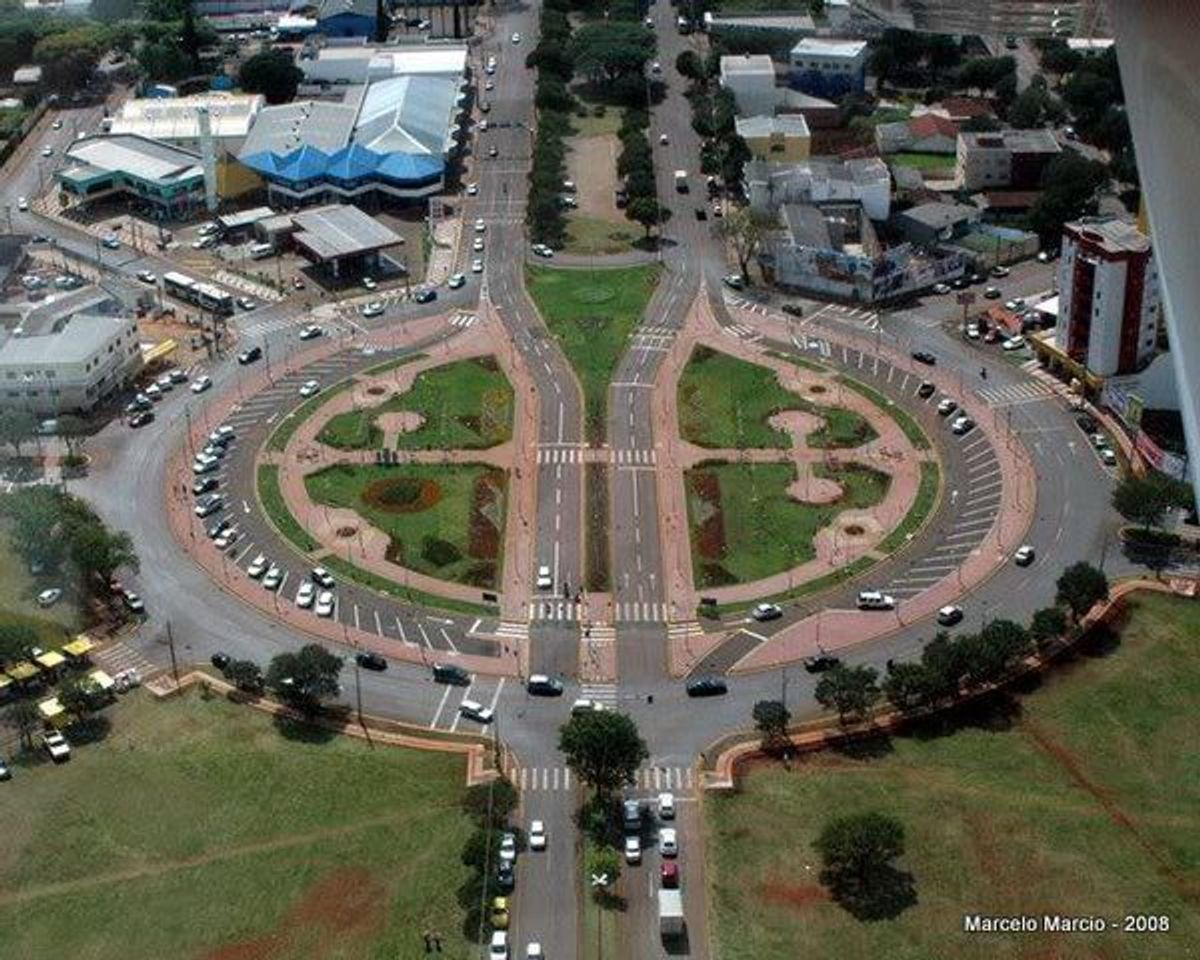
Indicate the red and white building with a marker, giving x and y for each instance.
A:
(1108, 308)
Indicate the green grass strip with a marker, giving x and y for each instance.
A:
(382, 368)
(271, 497)
(799, 361)
(291, 421)
(400, 591)
(904, 420)
(927, 494)
(831, 579)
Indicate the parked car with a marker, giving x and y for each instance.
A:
(451, 674)
(246, 303)
(992, 293)
(963, 425)
(499, 913)
(925, 357)
(141, 419)
(498, 948)
(941, 288)
(926, 390)
(5, 772)
(323, 578)
(734, 281)
(272, 578)
(706, 687)
(819, 663)
(946, 406)
(325, 603)
(369, 283)
(56, 745)
(133, 603)
(372, 309)
(541, 685)
(205, 484)
(633, 850)
(584, 705)
(1013, 343)
(999, 271)
(258, 566)
(48, 598)
(473, 710)
(875, 600)
(306, 594)
(477, 265)
(220, 660)
(456, 280)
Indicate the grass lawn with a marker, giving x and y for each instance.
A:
(934, 163)
(197, 829)
(446, 521)
(745, 526)
(927, 493)
(592, 313)
(1079, 799)
(277, 512)
(725, 403)
(912, 430)
(589, 236)
(401, 591)
(291, 422)
(19, 590)
(593, 126)
(467, 404)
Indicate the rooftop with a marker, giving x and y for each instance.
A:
(788, 125)
(794, 23)
(862, 170)
(940, 215)
(341, 230)
(747, 65)
(1017, 141)
(178, 118)
(332, 8)
(929, 125)
(1110, 234)
(389, 61)
(822, 47)
(133, 154)
(75, 340)
(245, 218)
(307, 123)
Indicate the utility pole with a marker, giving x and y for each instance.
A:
(171, 647)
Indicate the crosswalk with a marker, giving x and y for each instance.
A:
(632, 457)
(512, 630)
(684, 629)
(246, 285)
(463, 320)
(743, 304)
(653, 338)
(561, 610)
(813, 345)
(605, 693)
(742, 332)
(1016, 393)
(118, 657)
(622, 457)
(554, 455)
(640, 611)
(842, 313)
(551, 779)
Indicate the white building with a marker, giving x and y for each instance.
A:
(826, 67)
(364, 63)
(866, 181)
(176, 120)
(751, 80)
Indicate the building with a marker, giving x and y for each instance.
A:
(818, 180)
(1108, 311)
(364, 63)
(27, 76)
(1006, 158)
(828, 68)
(928, 133)
(781, 139)
(818, 113)
(751, 80)
(1038, 18)
(170, 180)
(930, 223)
(341, 239)
(833, 250)
(347, 18)
(797, 23)
(68, 355)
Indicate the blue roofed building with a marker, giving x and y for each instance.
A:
(347, 18)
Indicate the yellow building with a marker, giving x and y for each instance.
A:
(783, 139)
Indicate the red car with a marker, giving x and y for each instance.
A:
(670, 876)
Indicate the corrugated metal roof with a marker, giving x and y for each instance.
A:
(341, 230)
(139, 156)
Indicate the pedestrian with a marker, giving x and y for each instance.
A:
(428, 942)
(437, 942)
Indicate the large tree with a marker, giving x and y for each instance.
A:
(945, 666)
(604, 749)
(1081, 587)
(858, 853)
(1070, 185)
(743, 232)
(906, 686)
(771, 719)
(38, 516)
(99, 553)
(851, 691)
(23, 716)
(78, 697)
(69, 58)
(273, 74)
(306, 678)
(17, 427)
(73, 431)
(607, 51)
(1144, 500)
(648, 212)
(1047, 624)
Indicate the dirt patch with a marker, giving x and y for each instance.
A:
(487, 500)
(710, 533)
(376, 391)
(592, 164)
(345, 533)
(853, 530)
(818, 388)
(794, 896)
(402, 494)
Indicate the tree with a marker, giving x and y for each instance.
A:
(69, 58)
(1028, 109)
(851, 691)
(882, 64)
(771, 719)
(989, 654)
(16, 637)
(245, 675)
(189, 39)
(690, 66)
(1081, 587)
(604, 749)
(306, 678)
(24, 717)
(906, 686)
(1047, 624)
(1144, 500)
(37, 518)
(78, 697)
(490, 803)
(603, 861)
(648, 212)
(945, 666)
(1070, 184)
(273, 74)
(608, 51)
(943, 53)
(74, 433)
(742, 230)
(16, 428)
(857, 864)
(99, 553)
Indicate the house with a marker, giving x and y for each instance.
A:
(818, 113)
(929, 223)
(927, 133)
(820, 180)
(828, 68)
(1006, 158)
(780, 139)
(751, 80)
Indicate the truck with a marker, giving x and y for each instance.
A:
(670, 913)
(681, 184)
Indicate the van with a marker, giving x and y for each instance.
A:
(449, 673)
(260, 251)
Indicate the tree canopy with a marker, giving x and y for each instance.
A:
(608, 51)
(1081, 587)
(306, 678)
(851, 691)
(271, 73)
(604, 749)
(857, 855)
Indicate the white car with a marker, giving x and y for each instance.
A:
(473, 710)
(146, 276)
(205, 243)
(246, 303)
(666, 806)
(508, 848)
(542, 250)
(57, 746)
(516, 38)
(310, 388)
(656, 67)
(227, 539)
(498, 948)
(456, 280)
(874, 600)
(472, 189)
(584, 705)
(534, 951)
(544, 580)
(480, 226)
(633, 850)
(48, 598)
(1013, 343)
(767, 611)
(946, 406)
(1024, 556)
(57, 125)
(490, 84)
(664, 140)
(273, 578)
(325, 603)
(204, 464)
(973, 331)
(210, 229)
(201, 383)
(323, 578)
(1108, 457)
(22, 203)
(310, 332)
(369, 283)
(949, 616)
(668, 843)
(941, 288)
(372, 309)
(306, 595)
(962, 425)
(1016, 304)
(258, 566)
(537, 835)
(477, 265)
(477, 246)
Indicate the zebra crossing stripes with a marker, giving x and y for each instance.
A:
(640, 611)
(632, 457)
(560, 455)
(560, 610)
(684, 629)
(512, 630)
(605, 693)
(560, 779)
(743, 304)
(119, 656)
(463, 320)
(742, 332)
(541, 779)
(600, 633)
(1016, 393)
(653, 338)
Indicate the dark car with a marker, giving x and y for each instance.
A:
(220, 660)
(977, 278)
(701, 213)
(426, 296)
(925, 357)
(219, 528)
(249, 356)
(820, 663)
(505, 878)
(138, 404)
(371, 661)
(141, 419)
(706, 687)
(1086, 423)
(926, 390)
(540, 685)
(449, 673)
(205, 485)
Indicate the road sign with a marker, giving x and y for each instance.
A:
(966, 298)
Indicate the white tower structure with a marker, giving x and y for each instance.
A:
(208, 159)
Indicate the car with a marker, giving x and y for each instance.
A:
(1086, 423)
(493, 153)
(47, 151)
(219, 528)
(56, 745)
(204, 485)
(22, 204)
(477, 245)
(498, 948)
(154, 392)
(1098, 440)
(999, 271)
(297, 282)
(668, 842)
(516, 38)
(141, 418)
(472, 189)
(371, 661)
(633, 850)
(537, 835)
(57, 124)
(451, 674)
(926, 390)
(5, 772)
(201, 383)
(941, 288)
(489, 84)
(490, 67)
(949, 616)
(706, 687)
(1013, 343)
(925, 357)
(272, 578)
(227, 539)
(146, 276)
(946, 406)
(456, 280)
(959, 283)
(209, 229)
(322, 578)
(372, 309)
(701, 213)
(668, 876)
(1045, 256)
(1070, 133)
(425, 296)
(820, 662)
(483, 125)
(473, 710)
(258, 566)
(246, 303)
(325, 603)
(48, 598)
(542, 250)
(991, 336)
(585, 705)
(992, 293)
(306, 594)
(310, 332)
(508, 846)
(962, 425)
(1108, 457)
(214, 450)
(875, 600)
(134, 603)
(177, 376)
(310, 388)
(477, 266)
(499, 913)
(480, 226)
(631, 815)
(766, 611)
(734, 281)
(972, 331)
(541, 685)
(544, 580)
(204, 464)
(1024, 556)
(369, 283)
(976, 278)
(666, 806)
(204, 243)
(1016, 304)
(249, 356)
(656, 67)
(664, 140)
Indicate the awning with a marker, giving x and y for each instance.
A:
(160, 351)
(4, 681)
(79, 647)
(49, 709)
(23, 671)
(51, 659)
(101, 680)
